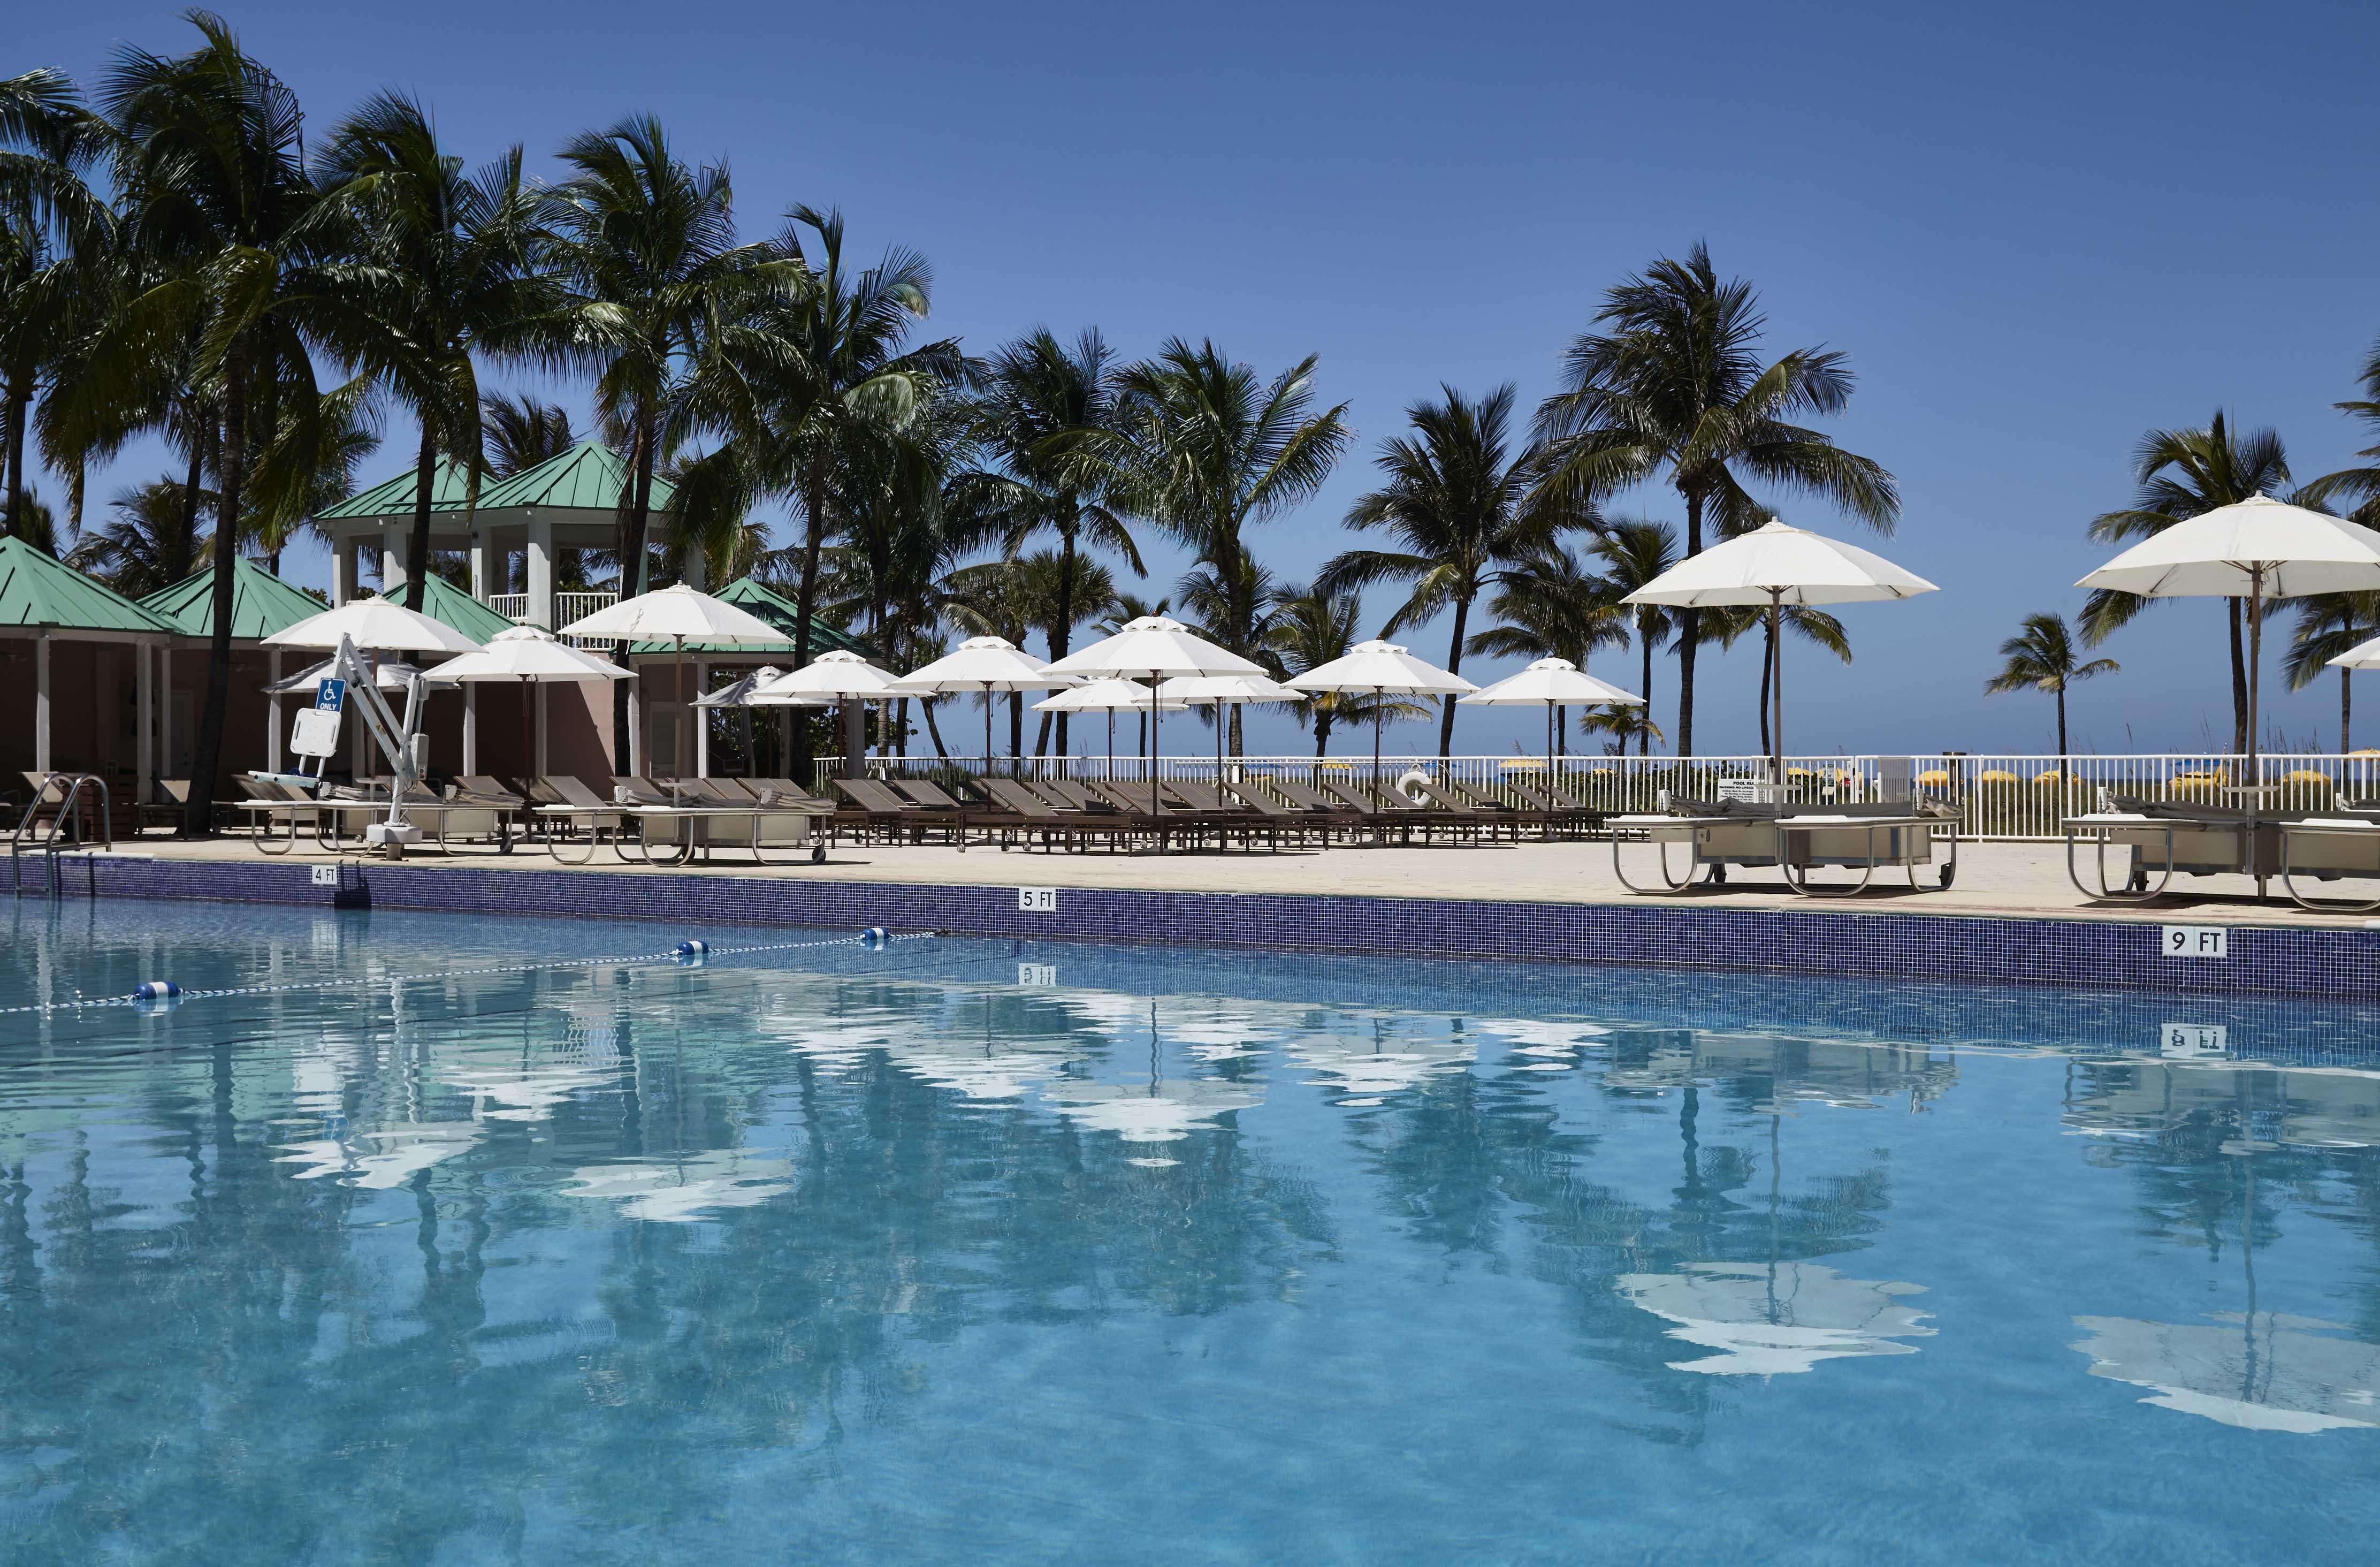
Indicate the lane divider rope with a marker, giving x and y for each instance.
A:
(685, 955)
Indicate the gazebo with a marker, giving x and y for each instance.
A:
(87, 691)
(569, 500)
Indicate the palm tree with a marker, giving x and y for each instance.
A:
(1673, 384)
(2329, 625)
(1307, 628)
(55, 233)
(208, 149)
(2361, 483)
(1017, 597)
(2042, 658)
(448, 279)
(1622, 725)
(517, 432)
(659, 293)
(1813, 625)
(1468, 518)
(1633, 553)
(1206, 450)
(133, 553)
(1040, 400)
(1552, 606)
(2180, 474)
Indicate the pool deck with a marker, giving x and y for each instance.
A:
(2018, 880)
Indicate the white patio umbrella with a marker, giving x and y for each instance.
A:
(530, 655)
(838, 676)
(2256, 549)
(374, 625)
(985, 664)
(1558, 682)
(1219, 691)
(1108, 696)
(1774, 565)
(739, 692)
(1383, 669)
(1155, 647)
(390, 677)
(678, 614)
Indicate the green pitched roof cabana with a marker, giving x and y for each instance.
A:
(449, 490)
(449, 605)
(38, 591)
(764, 603)
(590, 476)
(261, 604)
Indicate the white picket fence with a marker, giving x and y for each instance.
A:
(2000, 796)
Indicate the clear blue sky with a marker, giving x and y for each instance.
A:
(2037, 231)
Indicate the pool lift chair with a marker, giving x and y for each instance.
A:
(315, 736)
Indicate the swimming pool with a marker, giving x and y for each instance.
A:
(979, 1251)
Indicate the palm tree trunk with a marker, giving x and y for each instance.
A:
(632, 565)
(805, 595)
(198, 816)
(941, 752)
(901, 727)
(1015, 725)
(1768, 669)
(1321, 733)
(1690, 627)
(425, 466)
(2062, 729)
(2346, 710)
(1644, 731)
(1454, 666)
(184, 544)
(2238, 682)
(1061, 636)
(18, 398)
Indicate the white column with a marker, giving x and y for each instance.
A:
(393, 565)
(540, 571)
(273, 723)
(343, 571)
(165, 707)
(483, 555)
(636, 729)
(144, 705)
(42, 702)
(695, 572)
(471, 719)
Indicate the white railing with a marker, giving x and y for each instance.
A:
(567, 607)
(1999, 796)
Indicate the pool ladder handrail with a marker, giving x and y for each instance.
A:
(48, 845)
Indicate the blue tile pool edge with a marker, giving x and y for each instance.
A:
(2261, 960)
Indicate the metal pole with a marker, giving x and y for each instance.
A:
(1776, 679)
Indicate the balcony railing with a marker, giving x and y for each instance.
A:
(567, 607)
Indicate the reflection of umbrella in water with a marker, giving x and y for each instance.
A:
(1156, 1111)
(1545, 1047)
(686, 1189)
(402, 1151)
(2258, 1370)
(1776, 1317)
(1375, 1067)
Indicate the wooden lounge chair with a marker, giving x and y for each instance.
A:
(887, 811)
(1023, 809)
(1067, 792)
(926, 793)
(1495, 810)
(1226, 812)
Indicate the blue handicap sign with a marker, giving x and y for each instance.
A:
(331, 695)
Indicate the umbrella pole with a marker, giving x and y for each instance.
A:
(678, 683)
(2255, 660)
(1776, 682)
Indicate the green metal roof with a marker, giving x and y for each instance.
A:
(261, 603)
(36, 589)
(765, 603)
(588, 477)
(448, 604)
(449, 490)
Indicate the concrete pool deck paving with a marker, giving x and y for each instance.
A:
(2022, 880)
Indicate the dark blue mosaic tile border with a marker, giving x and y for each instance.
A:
(2107, 955)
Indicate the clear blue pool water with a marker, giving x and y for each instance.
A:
(978, 1252)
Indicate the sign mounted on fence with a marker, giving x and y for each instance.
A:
(1038, 900)
(2197, 941)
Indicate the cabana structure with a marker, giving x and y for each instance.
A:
(261, 605)
(75, 691)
